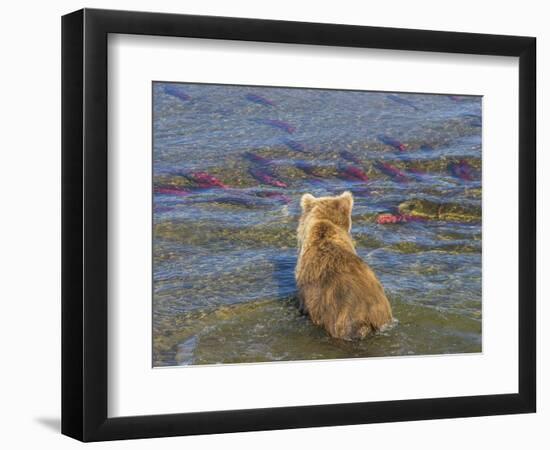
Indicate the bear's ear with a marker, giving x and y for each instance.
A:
(346, 200)
(307, 201)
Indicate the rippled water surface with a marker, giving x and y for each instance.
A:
(230, 164)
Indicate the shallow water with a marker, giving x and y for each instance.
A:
(230, 164)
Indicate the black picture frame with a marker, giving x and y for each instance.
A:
(84, 224)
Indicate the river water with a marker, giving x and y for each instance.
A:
(230, 164)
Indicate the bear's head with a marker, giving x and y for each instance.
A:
(335, 209)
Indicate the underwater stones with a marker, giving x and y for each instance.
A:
(426, 209)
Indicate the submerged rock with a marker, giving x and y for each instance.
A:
(430, 210)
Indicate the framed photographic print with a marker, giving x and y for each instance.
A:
(273, 224)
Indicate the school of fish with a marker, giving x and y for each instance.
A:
(350, 167)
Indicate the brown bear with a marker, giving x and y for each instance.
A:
(336, 288)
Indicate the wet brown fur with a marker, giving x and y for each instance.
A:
(337, 289)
